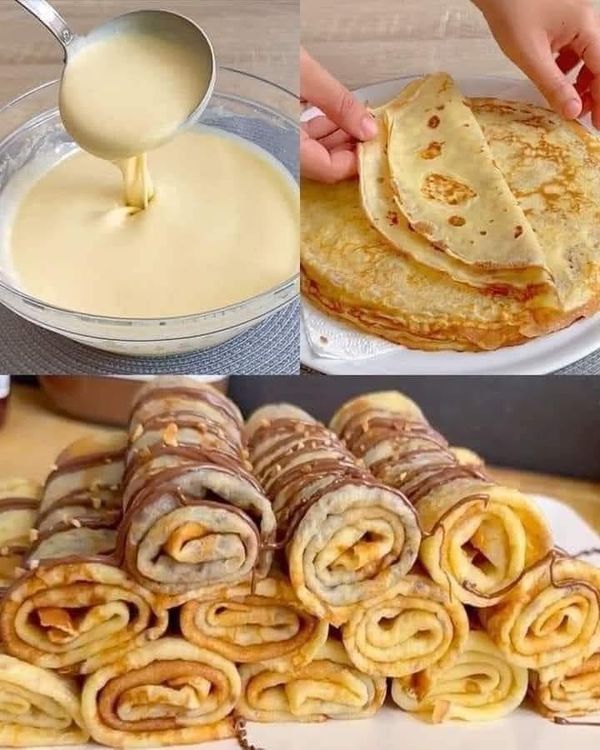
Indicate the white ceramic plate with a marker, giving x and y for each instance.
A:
(391, 729)
(536, 357)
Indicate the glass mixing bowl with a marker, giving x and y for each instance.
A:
(243, 104)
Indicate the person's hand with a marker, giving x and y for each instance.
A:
(328, 143)
(548, 39)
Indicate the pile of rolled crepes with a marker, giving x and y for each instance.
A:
(166, 585)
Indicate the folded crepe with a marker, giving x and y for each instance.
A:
(576, 693)
(347, 538)
(550, 621)
(75, 608)
(37, 707)
(446, 183)
(480, 686)
(195, 519)
(329, 687)
(479, 537)
(19, 502)
(455, 214)
(418, 631)
(169, 692)
(255, 624)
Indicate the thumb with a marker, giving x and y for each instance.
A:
(538, 64)
(322, 90)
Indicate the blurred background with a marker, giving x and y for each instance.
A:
(539, 434)
(368, 42)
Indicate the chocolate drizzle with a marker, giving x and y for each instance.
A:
(177, 470)
(298, 463)
(413, 457)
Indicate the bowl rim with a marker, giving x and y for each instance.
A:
(173, 320)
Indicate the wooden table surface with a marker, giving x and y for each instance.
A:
(367, 41)
(257, 36)
(35, 434)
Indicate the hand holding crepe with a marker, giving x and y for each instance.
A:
(576, 693)
(550, 621)
(169, 692)
(37, 707)
(195, 519)
(259, 623)
(464, 217)
(330, 687)
(347, 538)
(19, 501)
(480, 686)
(479, 537)
(418, 631)
(76, 608)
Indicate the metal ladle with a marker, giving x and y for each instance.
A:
(159, 23)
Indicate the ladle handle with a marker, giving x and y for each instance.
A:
(51, 19)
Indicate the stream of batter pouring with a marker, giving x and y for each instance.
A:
(126, 94)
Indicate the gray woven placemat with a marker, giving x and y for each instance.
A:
(589, 365)
(271, 348)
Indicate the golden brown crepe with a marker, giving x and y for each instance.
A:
(550, 621)
(194, 517)
(480, 685)
(330, 687)
(576, 693)
(461, 209)
(255, 624)
(347, 538)
(169, 692)
(75, 608)
(19, 502)
(37, 707)
(478, 537)
(418, 631)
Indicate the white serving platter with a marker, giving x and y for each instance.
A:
(537, 357)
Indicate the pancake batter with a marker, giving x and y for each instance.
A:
(222, 227)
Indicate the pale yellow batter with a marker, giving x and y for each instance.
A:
(130, 92)
(223, 227)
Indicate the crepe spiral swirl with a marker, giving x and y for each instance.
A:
(479, 537)
(194, 517)
(347, 538)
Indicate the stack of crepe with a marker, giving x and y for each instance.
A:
(460, 599)
(533, 610)
(473, 226)
(75, 608)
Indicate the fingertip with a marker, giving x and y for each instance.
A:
(572, 109)
(368, 127)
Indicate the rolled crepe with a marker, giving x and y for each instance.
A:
(347, 538)
(481, 685)
(169, 692)
(195, 519)
(418, 631)
(550, 621)
(19, 501)
(576, 693)
(479, 537)
(250, 625)
(329, 687)
(75, 608)
(37, 707)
